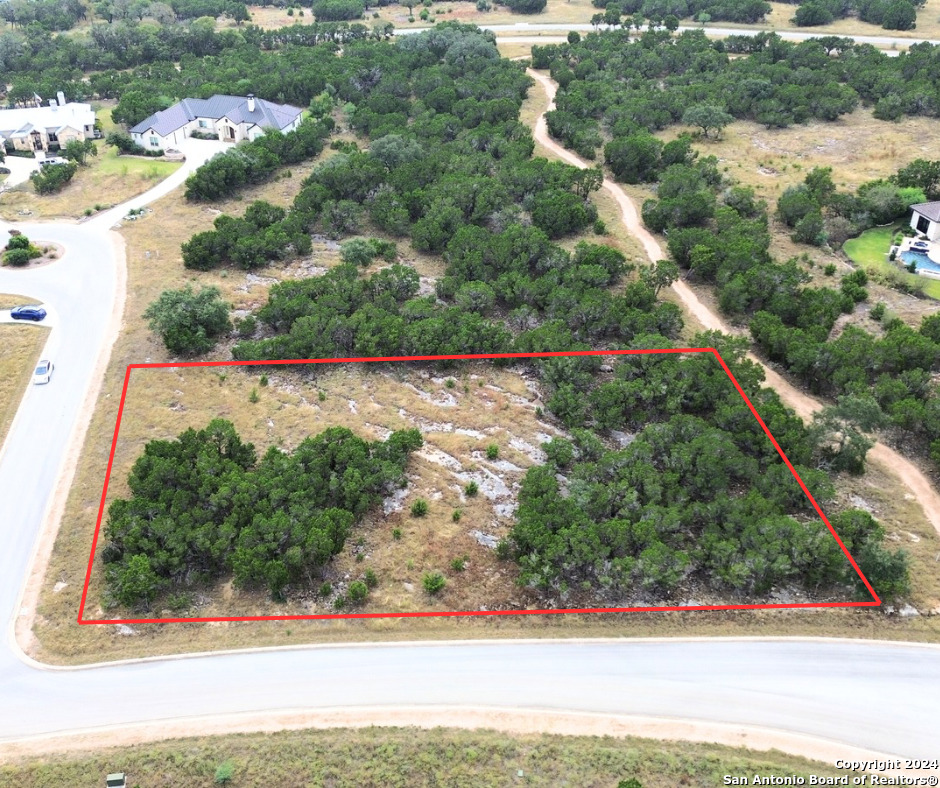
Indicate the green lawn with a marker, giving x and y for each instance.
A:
(109, 163)
(870, 250)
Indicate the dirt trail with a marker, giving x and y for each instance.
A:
(805, 406)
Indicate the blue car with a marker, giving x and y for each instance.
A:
(33, 312)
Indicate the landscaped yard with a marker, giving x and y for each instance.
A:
(870, 250)
(108, 179)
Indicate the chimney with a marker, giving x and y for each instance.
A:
(251, 102)
(61, 97)
(53, 104)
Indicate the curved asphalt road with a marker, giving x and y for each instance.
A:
(522, 28)
(878, 697)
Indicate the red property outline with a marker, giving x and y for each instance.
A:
(875, 601)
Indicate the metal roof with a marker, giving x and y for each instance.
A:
(266, 114)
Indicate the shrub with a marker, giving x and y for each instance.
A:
(419, 508)
(492, 451)
(246, 326)
(326, 589)
(396, 534)
(456, 515)
(224, 773)
(53, 178)
(459, 564)
(878, 311)
(263, 381)
(357, 251)
(340, 602)
(472, 489)
(830, 269)
(16, 257)
(600, 228)
(371, 580)
(18, 242)
(434, 583)
(253, 397)
(358, 591)
(189, 323)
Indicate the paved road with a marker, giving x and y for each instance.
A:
(521, 28)
(878, 697)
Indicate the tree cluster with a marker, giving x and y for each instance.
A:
(890, 14)
(255, 161)
(264, 233)
(627, 85)
(337, 10)
(658, 11)
(818, 213)
(699, 498)
(46, 15)
(204, 506)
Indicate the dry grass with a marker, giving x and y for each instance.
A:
(410, 757)
(858, 148)
(485, 406)
(107, 180)
(22, 345)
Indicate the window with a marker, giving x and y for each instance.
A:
(154, 142)
(203, 124)
(922, 224)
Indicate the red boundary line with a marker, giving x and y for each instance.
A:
(875, 601)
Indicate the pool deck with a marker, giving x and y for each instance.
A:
(933, 254)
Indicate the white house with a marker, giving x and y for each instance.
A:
(39, 128)
(925, 219)
(233, 118)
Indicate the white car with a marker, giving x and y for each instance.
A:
(43, 371)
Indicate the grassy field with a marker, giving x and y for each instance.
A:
(22, 345)
(108, 179)
(410, 757)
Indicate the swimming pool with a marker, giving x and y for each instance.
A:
(922, 261)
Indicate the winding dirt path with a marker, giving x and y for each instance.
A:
(907, 473)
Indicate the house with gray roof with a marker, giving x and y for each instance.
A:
(925, 219)
(232, 118)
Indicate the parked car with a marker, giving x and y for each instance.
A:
(31, 312)
(920, 246)
(43, 371)
(50, 160)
